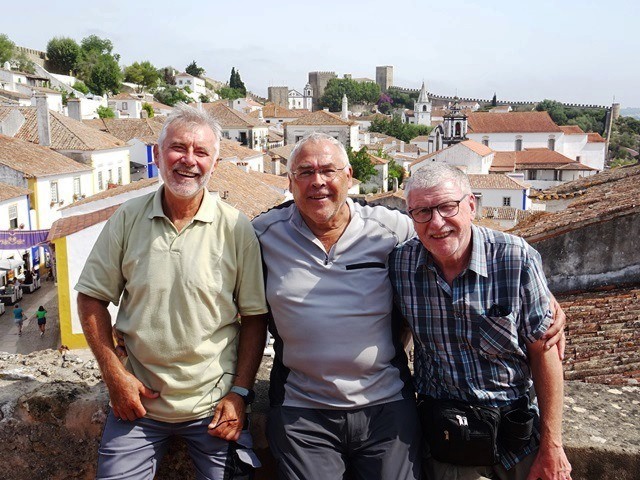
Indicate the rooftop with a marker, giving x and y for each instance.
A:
(320, 118)
(511, 122)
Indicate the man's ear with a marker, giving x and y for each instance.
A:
(156, 154)
(472, 205)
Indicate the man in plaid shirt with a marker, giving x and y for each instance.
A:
(478, 303)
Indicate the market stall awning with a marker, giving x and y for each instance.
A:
(10, 263)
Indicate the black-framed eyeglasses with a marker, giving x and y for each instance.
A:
(445, 209)
(328, 173)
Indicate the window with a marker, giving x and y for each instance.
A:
(119, 175)
(76, 186)
(100, 182)
(552, 144)
(298, 138)
(518, 144)
(557, 175)
(485, 141)
(532, 174)
(124, 105)
(13, 217)
(54, 192)
(506, 201)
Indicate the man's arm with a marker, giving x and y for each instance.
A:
(228, 418)
(124, 388)
(551, 462)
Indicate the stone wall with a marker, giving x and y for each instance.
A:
(52, 409)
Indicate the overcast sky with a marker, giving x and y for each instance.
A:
(566, 50)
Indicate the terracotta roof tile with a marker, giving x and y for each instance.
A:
(495, 181)
(540, 158)
(377, 160)
(66, 133)
(69, 225)
(7, 192)
(277, 181)
(271, 110)
(571, 130)
(420, 138)
(320, 118)
(605, 195)
(476, 147)
(126, 129)
(230, 118)
(35, 161)
(512, 122)
(231, 149)
(595, 138)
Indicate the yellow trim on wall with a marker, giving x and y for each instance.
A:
(32, 185)
(68, 338)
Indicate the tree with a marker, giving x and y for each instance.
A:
(23, 63)
(98, 67)
(63, 54)
(394, 127)
(357, 92)
(105, 76)
(81, 87)
(361, 164)
(7, 48)
(494, 100)
(149, 109)
(143, 74)
(105, 112)
(236, 83)
(229, 93)
(171, 95)
(395, 171)
(194, 69)
(588, 119)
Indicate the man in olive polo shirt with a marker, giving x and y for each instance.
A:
(181, 266)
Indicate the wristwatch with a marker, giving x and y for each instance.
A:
(247, 395)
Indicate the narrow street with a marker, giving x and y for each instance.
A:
(31, 341)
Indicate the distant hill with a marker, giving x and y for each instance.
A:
(630, 112)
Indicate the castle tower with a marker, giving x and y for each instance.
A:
(279, 96)
(422, 108)
(384, 77)
(318, 82)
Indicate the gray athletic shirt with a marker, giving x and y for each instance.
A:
(331, 310)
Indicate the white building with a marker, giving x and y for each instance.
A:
(499, 190)
(248, 131)
(422, 108)
(195, 84)
(301, 101)
(324, 122)
(469, 156)
(126, 105)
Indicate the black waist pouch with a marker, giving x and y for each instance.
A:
(460, 433)
(516, 427)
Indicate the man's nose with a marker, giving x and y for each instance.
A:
(317, 178)
(188, 158)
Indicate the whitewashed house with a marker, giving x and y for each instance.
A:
(196, 85)
(324, 122)
(470, 156)
(126, 105)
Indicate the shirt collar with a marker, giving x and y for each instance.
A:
(206, 213)
(477, 262)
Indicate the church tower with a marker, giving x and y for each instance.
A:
(307, 97)
(454, 125)
(422, 108)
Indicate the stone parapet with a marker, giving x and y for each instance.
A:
(52, 410)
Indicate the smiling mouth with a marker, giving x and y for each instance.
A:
(439, 236)
(318, 197)
(182, 173)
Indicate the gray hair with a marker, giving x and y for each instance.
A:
(318, 137)
(435, 174)
(185, 115)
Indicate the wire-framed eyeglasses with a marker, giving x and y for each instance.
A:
(328, 173)
(445, 209)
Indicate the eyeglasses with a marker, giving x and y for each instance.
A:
(326, 173)
(445, 209)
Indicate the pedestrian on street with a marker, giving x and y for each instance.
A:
(18, 317)
(41, 314)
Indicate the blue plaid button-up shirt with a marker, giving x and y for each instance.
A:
(470, 337)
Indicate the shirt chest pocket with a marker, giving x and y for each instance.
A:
(496, 335)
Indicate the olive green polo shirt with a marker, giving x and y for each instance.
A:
(180, 294)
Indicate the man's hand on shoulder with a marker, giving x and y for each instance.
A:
(555, 334)
(228, 418)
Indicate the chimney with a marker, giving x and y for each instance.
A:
(401, 146)
(395, 184)
(74, 109)
(260, 115)
(42, 116)
(275, 166)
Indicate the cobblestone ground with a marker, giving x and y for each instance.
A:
(31, 341)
